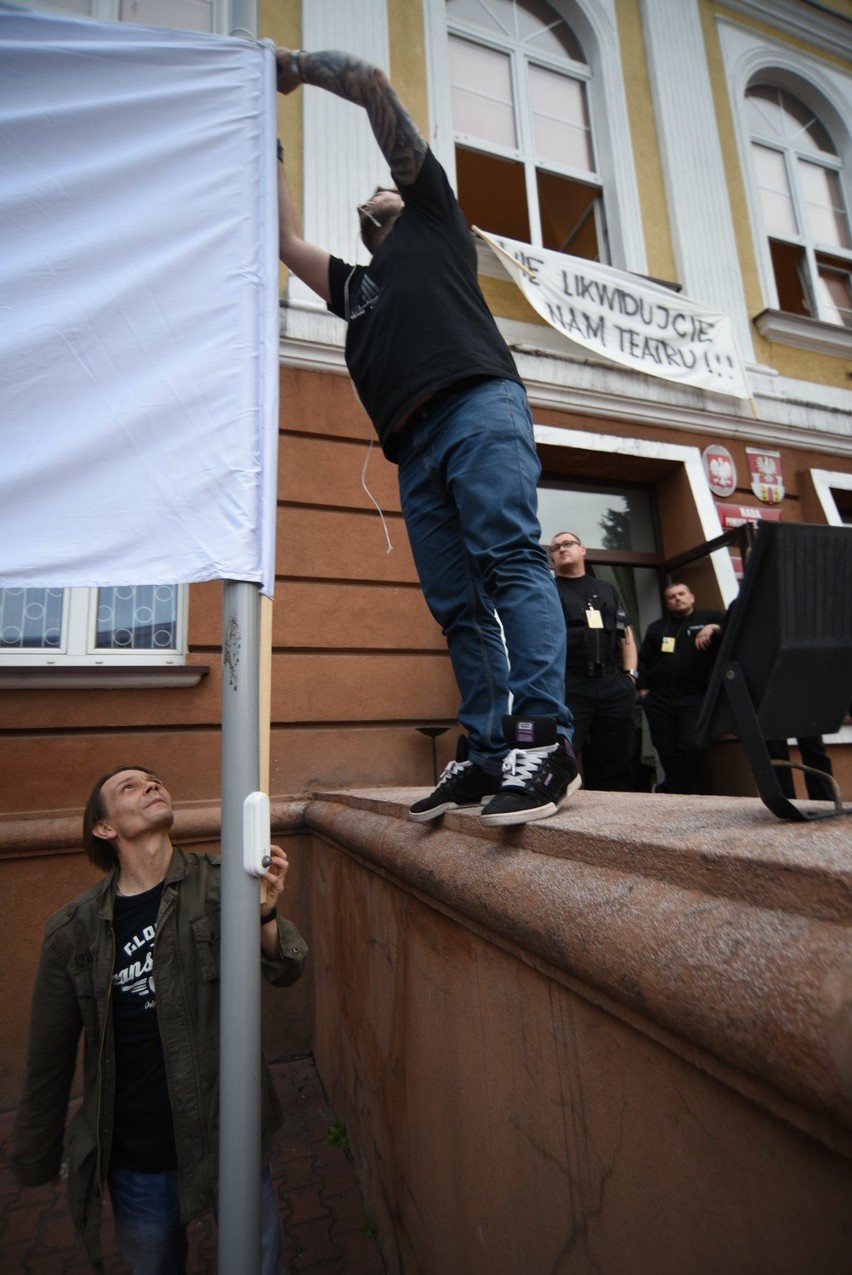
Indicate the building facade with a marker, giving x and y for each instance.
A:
(703, 146)
(706, 146)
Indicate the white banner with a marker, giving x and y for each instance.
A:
(624, 318)
(138, 305)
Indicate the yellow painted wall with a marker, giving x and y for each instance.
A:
(796, 363)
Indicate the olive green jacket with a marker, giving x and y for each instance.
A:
(72, 994)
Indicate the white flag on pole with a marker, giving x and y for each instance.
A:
(138, 305)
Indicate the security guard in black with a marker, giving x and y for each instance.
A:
(598, 683)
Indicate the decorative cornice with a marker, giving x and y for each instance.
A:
(558, 376)
(804, 333)
(809, 22)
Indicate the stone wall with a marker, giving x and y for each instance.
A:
(619, 1040)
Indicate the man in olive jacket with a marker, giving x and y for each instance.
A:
(133, 964)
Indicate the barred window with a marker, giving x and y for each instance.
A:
(128, 624)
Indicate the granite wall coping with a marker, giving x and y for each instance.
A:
(705, 918)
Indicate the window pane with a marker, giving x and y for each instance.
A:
(187, 15)
(603, 517)
(775, 197)
(788, 264)
(775, 113)
(495, 16)
(542, 28)
(31, 619)
(533, 22)
(493, 193)
(137, 617)
(567, 211)
(824, 203)
(560, 121)
(835, 295)
(481, 93)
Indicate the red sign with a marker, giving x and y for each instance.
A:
(738, 516)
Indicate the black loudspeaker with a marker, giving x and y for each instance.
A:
(785, 662)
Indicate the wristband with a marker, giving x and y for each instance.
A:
(295, 54)
(265, 918)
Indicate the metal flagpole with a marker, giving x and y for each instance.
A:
(239, 986)
(239, 1040)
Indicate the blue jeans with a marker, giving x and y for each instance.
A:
(468, 470)
(152, 1237)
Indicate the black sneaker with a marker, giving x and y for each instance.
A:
(462, 783)
(539, 774)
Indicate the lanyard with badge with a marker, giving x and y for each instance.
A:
(594, 619)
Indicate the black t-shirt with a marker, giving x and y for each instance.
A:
(418, 321)
(670, 662)
(143, 1132)
(589, 647)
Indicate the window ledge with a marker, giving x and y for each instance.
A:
(804, 333)
(101, 677)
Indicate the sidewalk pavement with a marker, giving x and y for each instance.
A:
(325, 1222)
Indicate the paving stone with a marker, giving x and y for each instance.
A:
(305, 1205)
(313, 1245)
(298, 1173)
(347, 1211)
(362, 1253)
(337, 1178)
(315, 1183)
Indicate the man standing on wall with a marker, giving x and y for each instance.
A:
(675, 662)
(443, 392)
(132, 964)
(600, 668)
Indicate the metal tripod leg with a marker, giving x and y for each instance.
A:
(748, 729)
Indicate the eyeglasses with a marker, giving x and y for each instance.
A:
(564, 544)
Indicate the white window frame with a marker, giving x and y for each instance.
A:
(824, 480)
(791, 159)
(749, 57)
(77, 646)
(109, 11)
(595, 24)
(651, 449)
(520, 57)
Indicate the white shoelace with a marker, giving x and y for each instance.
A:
(522, 763)
(452, 769)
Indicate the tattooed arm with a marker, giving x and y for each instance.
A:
(357, 81)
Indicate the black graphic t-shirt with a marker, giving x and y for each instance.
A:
(418, 321)
(143, 1135)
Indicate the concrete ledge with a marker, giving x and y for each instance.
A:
(57, 832)
(704, 918)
